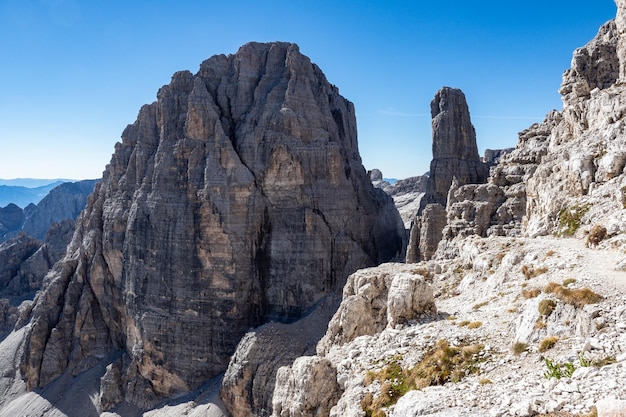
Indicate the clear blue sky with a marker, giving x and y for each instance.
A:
(74, 73)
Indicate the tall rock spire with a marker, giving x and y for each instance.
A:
(455, 160)
(455, 153)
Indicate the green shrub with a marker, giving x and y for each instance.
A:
(546, 307)
(570, 219)
(558, 370)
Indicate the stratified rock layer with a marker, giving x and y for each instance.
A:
(238, 197)
(455, 163)
(455, 153)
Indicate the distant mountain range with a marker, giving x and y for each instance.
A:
(25, 191)
(33, 182)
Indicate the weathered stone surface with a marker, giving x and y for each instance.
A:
(455, 153)
(455, 159)
(248, 384)
(375, 298)
(426, 233)
(586, 154)
(238, 197)
(409, 296)
(12, 254)
(595, 65)
(308, 388)
(24, 279)
(611, 407)
(375, 175)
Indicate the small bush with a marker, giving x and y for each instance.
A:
(546, 307)
(531, 272)
(475, 325)
(464, 323)
(570, 219)
(596, 235)
(599, 363)
(540, 324)
(519, 348)
(558, 370)
(547, 343)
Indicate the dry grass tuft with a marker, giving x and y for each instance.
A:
(548, 343)
(596, 235)
(474, 325)
(519, 348)
(531, 293)
(569, 281)
(531, 272)
(578, 297)
(443, 363)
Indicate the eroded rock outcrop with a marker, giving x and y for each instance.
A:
(307, 388)
(455, 159)
(376, 298)
(455, 153)
(586, 158)
(238, 197)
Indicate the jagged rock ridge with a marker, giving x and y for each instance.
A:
(64, 201)
(238, 197)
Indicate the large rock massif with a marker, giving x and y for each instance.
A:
(64, 201)
(237, 198)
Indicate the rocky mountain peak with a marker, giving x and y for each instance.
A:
(237, 198)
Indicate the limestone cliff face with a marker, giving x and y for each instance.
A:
(585, 156)
(236, 198)
(455, 161)
(455, 153)
(557, 178)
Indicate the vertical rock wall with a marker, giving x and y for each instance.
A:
(238, 197)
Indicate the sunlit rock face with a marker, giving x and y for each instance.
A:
(455, 161)
(238, 197)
